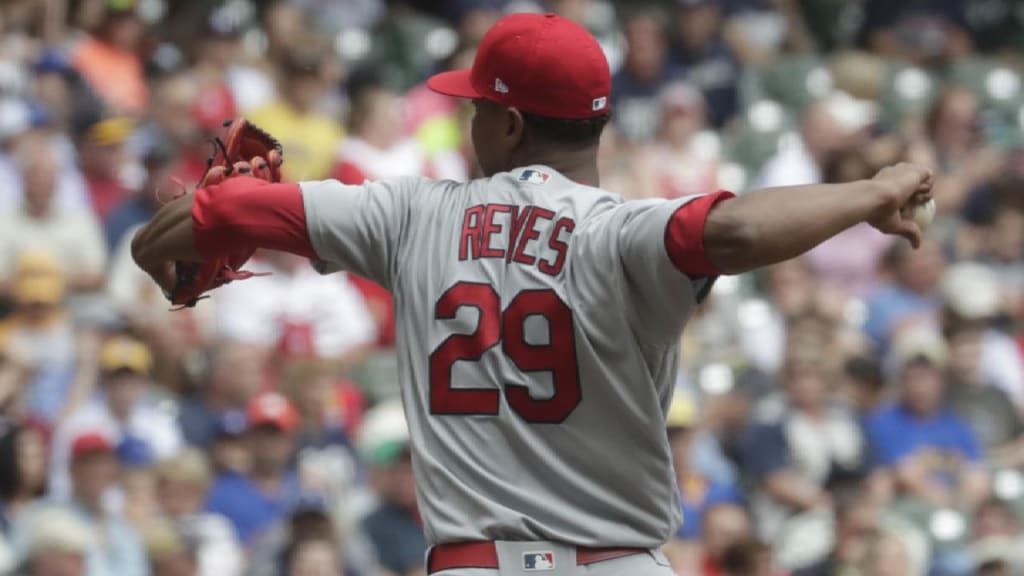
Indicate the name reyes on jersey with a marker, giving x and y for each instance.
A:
(523, 234)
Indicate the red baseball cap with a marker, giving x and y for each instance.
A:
(273, 409)
(91, 443)
(538, 63)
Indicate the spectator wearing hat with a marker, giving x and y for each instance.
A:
(41, 342)
(929, 453)
(121, 409)
(101, 143)
(255, 501)
(698, 489)
(183, 482)
(58, 542)
(310, 138)
(108, 61)
(39, 222)
(170, 550)
(94, 473)
(394, 526)
(637, 85)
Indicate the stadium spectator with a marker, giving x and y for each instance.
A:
(182, 484)
(109, 61)
(160, 163)
(908, 295)
(930, 453)
(926, 32)
(94, 473)
(40, 223)
(55, 362)
(376, 148)
(722, 526)
(393, 527)
(705, 60)
(682, 163)
(121, 410)
(637, 85)
(255, 501)
(812, 447)
(698, 490)
(103, 156)
(59, 542)
(169, 551)
(971, 300)
(310, 137)
(296, 313)
(235, 375)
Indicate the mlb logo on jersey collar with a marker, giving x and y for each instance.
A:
(538, 561)
(534, 176)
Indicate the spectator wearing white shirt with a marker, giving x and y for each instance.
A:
(40, 222)
(119, 411)
(182, 484)
(295, 311)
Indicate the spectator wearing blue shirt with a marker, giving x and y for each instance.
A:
(910, 294)
(698, 490)
(159, 163)
(929, 453)
(704, 59)
(257, 500)
(637, 86)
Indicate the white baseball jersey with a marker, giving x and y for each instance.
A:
(537, 324)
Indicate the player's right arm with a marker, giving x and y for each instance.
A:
(775, 224)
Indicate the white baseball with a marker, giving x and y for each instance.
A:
(922, 214)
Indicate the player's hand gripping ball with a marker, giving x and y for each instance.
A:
(245, 150)
(921, 213)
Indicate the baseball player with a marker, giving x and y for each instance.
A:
(538, 316)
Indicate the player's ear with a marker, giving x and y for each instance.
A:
(514, 127)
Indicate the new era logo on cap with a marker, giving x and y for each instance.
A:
(558, 69)
(538, 561)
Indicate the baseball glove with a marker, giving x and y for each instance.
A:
(244, 150)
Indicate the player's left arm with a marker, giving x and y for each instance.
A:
(775, 224)
(242, 212)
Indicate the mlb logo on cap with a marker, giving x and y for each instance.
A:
(538, 561)
(534, 176)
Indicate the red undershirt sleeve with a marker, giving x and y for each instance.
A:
(246, 213)
(684, 236)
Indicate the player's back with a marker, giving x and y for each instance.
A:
(537, 327)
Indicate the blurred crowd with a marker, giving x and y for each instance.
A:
(857, 411)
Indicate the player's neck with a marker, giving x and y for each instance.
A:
(578, 165)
